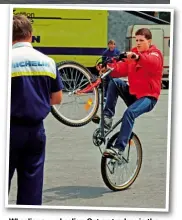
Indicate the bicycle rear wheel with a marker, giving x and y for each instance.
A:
(76, 109)
(119, 175)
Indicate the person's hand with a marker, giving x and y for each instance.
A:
(99, 67)
(132, 56)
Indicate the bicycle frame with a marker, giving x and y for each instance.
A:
(104, 135)
(100, 81)
(110, 163)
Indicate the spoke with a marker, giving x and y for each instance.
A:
(75, 79)
(107, 164)
(71, 73)
(77, 105)
(128, 172)
(80, 81)
(73, 106)
(81, 86)
(65, 75)
(123, 171)
(67, 80)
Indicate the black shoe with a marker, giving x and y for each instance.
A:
(96, 119)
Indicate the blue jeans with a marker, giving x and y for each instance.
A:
(136, 107)
(106, 83)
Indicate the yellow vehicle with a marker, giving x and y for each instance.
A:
(67, 34)
(160, 38)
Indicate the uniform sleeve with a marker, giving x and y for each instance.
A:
(57, 84)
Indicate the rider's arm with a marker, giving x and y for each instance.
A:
(152, 61)
(120, 69)
(56, 89)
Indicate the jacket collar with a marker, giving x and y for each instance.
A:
(22, 44)
(151, 48)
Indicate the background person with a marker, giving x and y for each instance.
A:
(35, 86)
(110, 52)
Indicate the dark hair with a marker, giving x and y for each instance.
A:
(145, 32)
(22, 28)
(111, 42)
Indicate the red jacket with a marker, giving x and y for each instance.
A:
(144, 75)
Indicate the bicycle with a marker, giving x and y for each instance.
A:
(109, 165)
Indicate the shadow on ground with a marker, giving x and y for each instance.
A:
(73, 192)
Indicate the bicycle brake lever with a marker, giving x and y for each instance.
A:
(121, 56)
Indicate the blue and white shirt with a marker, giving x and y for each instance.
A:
(34, 76)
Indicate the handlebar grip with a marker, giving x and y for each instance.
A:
(133, 56)
(122, 55)
(117, 58)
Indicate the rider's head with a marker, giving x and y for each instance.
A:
(143, 39)
(22, 29)
(111, 45)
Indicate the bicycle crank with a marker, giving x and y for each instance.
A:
(97, 137)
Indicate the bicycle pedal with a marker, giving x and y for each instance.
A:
(107, 155)
(96, 119)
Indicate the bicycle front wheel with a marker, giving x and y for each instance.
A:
(119, 175)
(76, 109)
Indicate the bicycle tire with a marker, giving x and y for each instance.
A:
(81, 122)
(105, 178)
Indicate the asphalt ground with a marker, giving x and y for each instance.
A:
(72, 166)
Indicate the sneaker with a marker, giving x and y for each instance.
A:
(113, 154)
(107, 122)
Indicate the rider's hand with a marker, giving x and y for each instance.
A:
(99, 67)
(132, 56)
(102, 70)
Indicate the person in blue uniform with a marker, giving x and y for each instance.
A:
(110, 52)
(35, 86)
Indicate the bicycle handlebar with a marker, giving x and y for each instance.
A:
(107, 73)
(116, 58)
(110, 60)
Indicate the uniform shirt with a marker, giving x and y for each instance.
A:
(34, 77)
